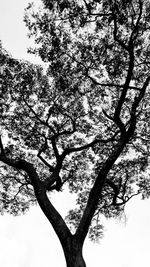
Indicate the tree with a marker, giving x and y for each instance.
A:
(82, 121)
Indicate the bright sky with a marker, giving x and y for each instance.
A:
(13, 32)
(29, 240)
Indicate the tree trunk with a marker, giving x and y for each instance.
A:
(75, 259)
(73, 255)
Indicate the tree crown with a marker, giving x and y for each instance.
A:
(88, 108)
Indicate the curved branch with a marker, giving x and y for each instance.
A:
(68, 151)
(48, 209)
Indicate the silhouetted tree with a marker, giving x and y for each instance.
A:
(83, 120)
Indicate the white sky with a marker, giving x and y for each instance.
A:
(29, 240)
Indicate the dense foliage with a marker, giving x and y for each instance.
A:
(88, 105)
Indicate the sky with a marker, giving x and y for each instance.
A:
(29, 240)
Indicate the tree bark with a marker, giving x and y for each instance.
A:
(73, 254)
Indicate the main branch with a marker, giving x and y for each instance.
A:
(51, 213)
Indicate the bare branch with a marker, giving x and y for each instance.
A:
(67, 132)
(125, 200)
(42, 150)
(135, 105)
(38, 118)
(134, 33)
(119, 41)
(115, 188)
(111, 84)
(68, 151)
(19, 191)
(53, 140)
(45, 162)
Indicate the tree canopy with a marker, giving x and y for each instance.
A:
(82, 118)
